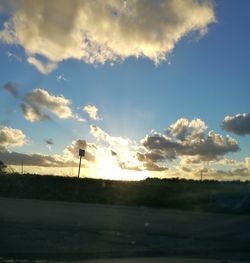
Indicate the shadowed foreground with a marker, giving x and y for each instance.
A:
(34, 229)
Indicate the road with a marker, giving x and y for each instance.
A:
(61, 230)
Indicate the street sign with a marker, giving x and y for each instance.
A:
(81, 152)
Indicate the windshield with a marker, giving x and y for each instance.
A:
(124, 129)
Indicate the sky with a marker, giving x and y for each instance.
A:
(147, 88)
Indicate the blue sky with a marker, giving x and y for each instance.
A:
(205, 77)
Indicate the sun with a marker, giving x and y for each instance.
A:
(107, 167)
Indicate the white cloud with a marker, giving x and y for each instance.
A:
(36, 104)
(123, 150)
(32, 114)
(61, 78)
(10, 137)
(78, 118)
(92, 111)
(42, 67)
(111, 140)
(247, 162)
(185, 130)
(38, 101)
(60, 30)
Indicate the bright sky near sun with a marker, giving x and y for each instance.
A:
(147, 88)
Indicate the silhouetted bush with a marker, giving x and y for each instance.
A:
(3, 167)
(210, 196)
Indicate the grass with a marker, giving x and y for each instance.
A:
(208, 196)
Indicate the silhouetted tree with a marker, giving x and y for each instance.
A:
(2, 167)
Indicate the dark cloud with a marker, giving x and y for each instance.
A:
(11, 88)
(113, 153)
(238, 124)
(49, 142)
(162, 145)
(69, 158)
(153, 167)
(208, 147)
(238, 172)
(33, 113)
(126, 166)
(186, 169)
(15, 158)
(150, 160)
(150, 156)
(186, 138)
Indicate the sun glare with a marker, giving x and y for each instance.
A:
(107, 167)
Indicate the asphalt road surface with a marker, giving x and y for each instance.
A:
(41, 230)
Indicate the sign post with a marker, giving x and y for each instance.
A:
(81, 154)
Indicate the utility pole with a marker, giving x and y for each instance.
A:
(81, 154)
(22, 167)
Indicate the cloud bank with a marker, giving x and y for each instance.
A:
(194, 151)
(15, 158)
(186, 143)
(185, 138)
(238, 124)
(60, 30)
(68, 158)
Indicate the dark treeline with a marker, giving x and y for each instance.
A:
(209, 196)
